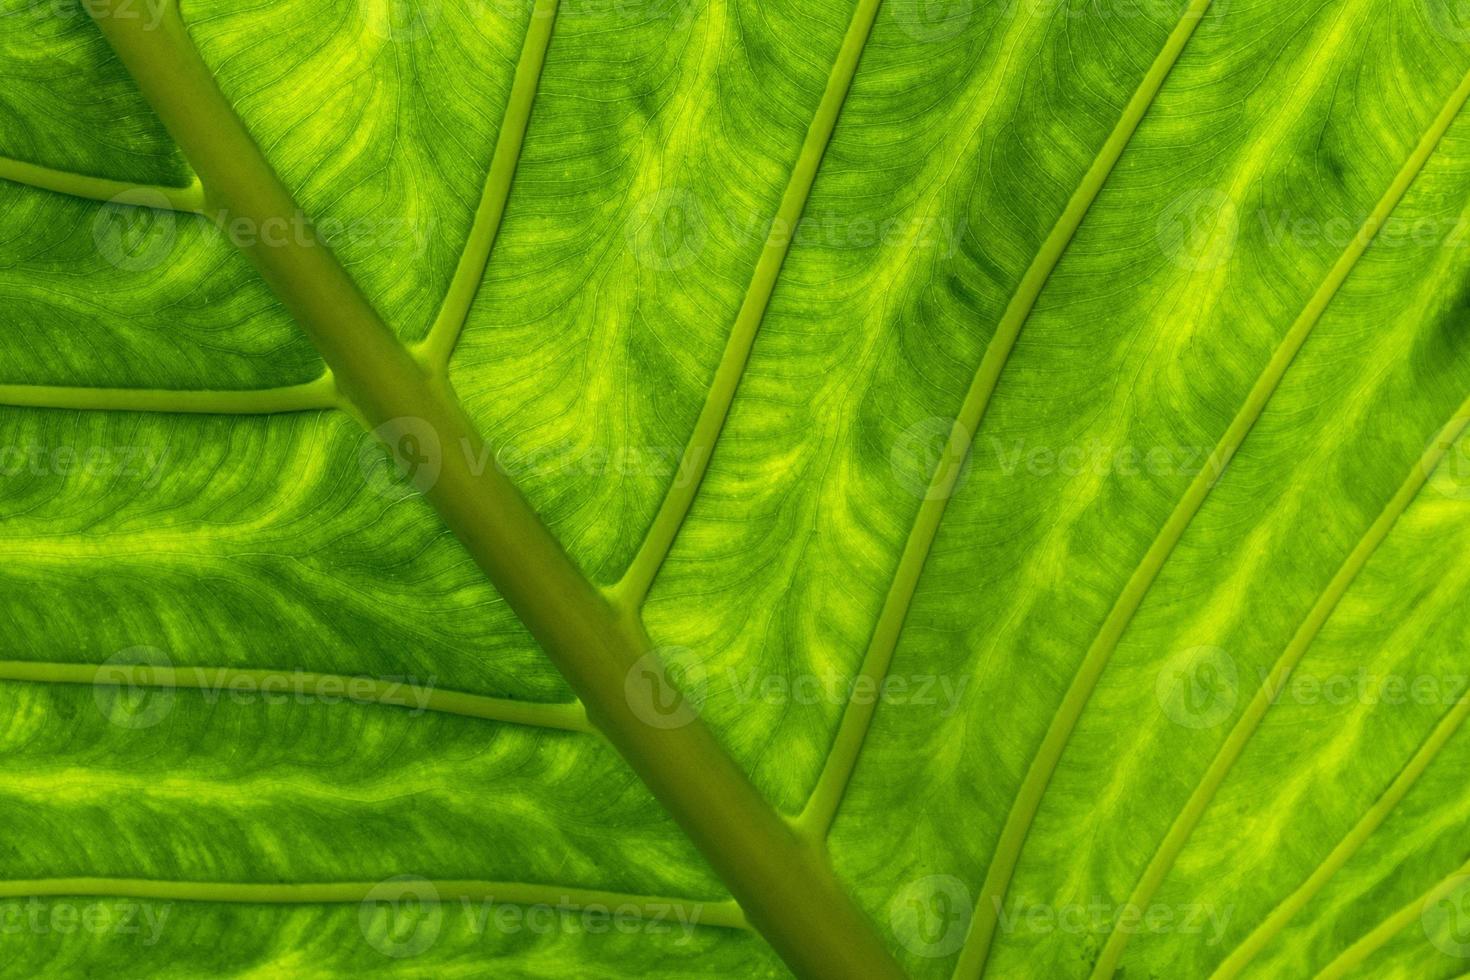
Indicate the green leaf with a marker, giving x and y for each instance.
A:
(929, 488)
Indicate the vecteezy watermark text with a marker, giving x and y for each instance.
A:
(403, 917)
(1200, 687)
(139, 229)
(100, 917)
(666, 688)
(1100, 917)
(142, 463)
(136, 688)
(150, 12)
(415, 458)
(1100, 459)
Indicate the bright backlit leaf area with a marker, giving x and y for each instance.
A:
(671, 489)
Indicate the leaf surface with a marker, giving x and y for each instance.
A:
(1030, 436)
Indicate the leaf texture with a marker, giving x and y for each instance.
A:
(1030, 438)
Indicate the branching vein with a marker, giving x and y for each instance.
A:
(188, 199)
(1272, 925)
(724, 915)
(566, 717)
(633, 588)
(309, 396)
(439, 346)
(1038, 776)
(789, 892)
(1264, 698)
(1380, 934)
(816, 819)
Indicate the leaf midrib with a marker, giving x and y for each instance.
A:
(788, 891)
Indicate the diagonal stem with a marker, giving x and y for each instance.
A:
(787, 890)
(1377, 937)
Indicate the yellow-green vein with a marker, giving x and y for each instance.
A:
(821, 809)
(308, 396)
(439, 345)
(1038, 775)
(1272, 925)
(1230, 751)
(788, 892)
(1380, 934)
(725, 915)
(188, 199)
(631, 590)
(271, 683)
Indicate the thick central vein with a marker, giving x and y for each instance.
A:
(1043, 765)
(821, 809)
(788, 890)
(693, 465)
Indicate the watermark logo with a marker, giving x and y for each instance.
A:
(1198, 230)
(402, 916)
(1449, 477)
(664, 687)
(931, 916)
(666, 230)
(1099, 917)
(931, 459)
(121, 921)
(135, 231)
(411, 464)
(1446, 918)
(120, 697)
(1198, 687)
